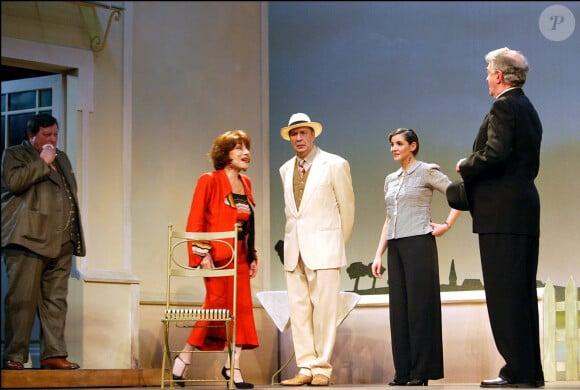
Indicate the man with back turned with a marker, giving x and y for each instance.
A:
(505, 206)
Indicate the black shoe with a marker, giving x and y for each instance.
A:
(178, 380)
(418, 382)
(398, 382)
(239, 385)
(497, 382)
(13, 365)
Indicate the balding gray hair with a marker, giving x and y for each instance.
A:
(511, 63)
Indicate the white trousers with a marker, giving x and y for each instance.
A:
(313, 297)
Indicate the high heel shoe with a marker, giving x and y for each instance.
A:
(179, 378)
(418, 382)
(239, 385)
(398, 382)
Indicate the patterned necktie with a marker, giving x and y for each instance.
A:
(301, 164)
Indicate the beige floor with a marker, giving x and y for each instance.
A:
(466, 386)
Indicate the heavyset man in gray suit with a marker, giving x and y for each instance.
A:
(41, 230)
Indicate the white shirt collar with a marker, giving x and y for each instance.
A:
(504, 91)
(310, 157)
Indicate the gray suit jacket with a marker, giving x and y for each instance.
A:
(31, 201)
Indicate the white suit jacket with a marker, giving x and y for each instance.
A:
(321, 227)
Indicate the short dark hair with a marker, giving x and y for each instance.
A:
(410, 137)
(224, 144)
(36, 122)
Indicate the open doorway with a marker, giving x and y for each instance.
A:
(25, 93)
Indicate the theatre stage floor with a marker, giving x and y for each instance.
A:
(456, 386)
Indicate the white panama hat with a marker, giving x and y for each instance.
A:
(300, 120)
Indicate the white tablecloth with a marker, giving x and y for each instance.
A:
(276, 305)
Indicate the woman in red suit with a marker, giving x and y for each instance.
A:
(222, 198)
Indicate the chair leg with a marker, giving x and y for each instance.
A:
(282, 368)
(166, 357)
(231, 351)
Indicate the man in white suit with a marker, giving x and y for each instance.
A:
(319, 208)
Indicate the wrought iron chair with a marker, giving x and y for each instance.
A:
(177, 316)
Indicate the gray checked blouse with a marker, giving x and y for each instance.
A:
(408, 197)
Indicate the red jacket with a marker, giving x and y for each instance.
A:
(213, 210)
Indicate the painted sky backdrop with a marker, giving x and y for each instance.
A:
(363, 69)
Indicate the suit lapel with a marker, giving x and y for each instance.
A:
(315, 174)
(289, 185)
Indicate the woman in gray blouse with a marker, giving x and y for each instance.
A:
(409, 235)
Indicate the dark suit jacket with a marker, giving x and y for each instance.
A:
(499, 175)
(31, 201)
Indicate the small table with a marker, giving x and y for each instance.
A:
(276, 305)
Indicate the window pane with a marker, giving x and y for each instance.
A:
(21, 100)
(17, 127)
(45, 98)
(3, 137)
(3, 102)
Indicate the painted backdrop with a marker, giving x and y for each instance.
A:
(363, 69)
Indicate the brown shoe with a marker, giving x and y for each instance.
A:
(320, 380)
(13, 365)
(298, 380)
(58, 363)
